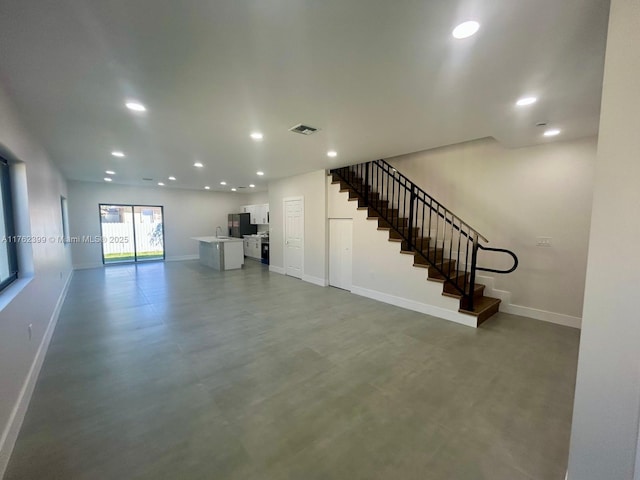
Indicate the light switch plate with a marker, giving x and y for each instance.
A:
(543, 241)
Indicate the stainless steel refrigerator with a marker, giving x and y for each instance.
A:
(240, 224)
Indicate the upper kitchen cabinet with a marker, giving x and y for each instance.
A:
(259, 214)
(251, 210)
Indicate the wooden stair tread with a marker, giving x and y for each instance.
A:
(477, 291)
(453, 274)
(481, 305)
(437, 280)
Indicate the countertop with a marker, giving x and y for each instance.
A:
(262, 238)
(216, 239)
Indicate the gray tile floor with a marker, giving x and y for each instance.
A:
(175, 371)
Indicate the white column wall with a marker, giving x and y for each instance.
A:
(604, 437)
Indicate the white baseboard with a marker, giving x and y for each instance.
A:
(544, 315)
(507, 307)
(274, 269)
(432, 310)
(180, 258)
(307, 278)
(84, 266)
(10, 433)
(315, 280)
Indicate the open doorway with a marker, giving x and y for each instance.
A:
(131, 233)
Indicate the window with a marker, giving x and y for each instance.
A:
(65, 219)
(8, 240)
(131, 233)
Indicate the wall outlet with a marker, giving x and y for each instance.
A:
(543, 241)
(30, 329)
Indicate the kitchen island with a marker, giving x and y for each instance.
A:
(221, 253)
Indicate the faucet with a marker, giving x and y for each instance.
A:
(218, 227)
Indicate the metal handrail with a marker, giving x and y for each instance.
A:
(387, 164)
(503, 250)
(409, 210)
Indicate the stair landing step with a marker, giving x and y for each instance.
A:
(483, 308)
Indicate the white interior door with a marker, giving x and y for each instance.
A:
(293, 236)
(340, 244)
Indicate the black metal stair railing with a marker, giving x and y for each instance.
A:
(438, 237)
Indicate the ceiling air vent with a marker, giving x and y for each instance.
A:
(147, 179)
(303, 129)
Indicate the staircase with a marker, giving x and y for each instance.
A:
(440, 242)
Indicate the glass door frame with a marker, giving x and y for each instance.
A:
(133, 228)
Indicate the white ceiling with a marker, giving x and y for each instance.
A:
(378, 77)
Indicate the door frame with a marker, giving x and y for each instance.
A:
(284, 233)
(135, 250)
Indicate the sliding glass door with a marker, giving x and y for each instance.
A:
(131, 233)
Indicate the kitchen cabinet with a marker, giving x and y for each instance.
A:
(252, 247)
(259, 214)
(251, 210)
(220, 253)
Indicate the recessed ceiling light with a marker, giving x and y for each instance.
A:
(256, 135)
(161, 184)
(108, 179)
(207, 187)
(252, 186)
(223, 183)
(466, 29)
(198, 165)
(332, 153)
(117, 153)
(172, 178)
(524, 101)
(260, 173)
(109, 172)
(552, 132)
(234, 189)
(135, 106)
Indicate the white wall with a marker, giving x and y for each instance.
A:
(187, 213)
(49, 266)
(604, 434)
(312, 187)
(512, 196)
(256, 198)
